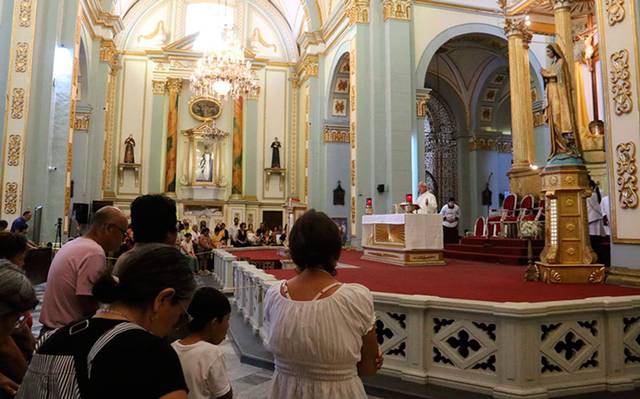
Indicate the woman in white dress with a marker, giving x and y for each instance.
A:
(321, 332)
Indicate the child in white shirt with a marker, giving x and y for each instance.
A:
(201, 359)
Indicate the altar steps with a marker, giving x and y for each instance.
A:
(508, 251)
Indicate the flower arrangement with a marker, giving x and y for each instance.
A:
(529, 229)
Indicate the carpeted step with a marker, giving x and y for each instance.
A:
(487, 257)
(491, 249)
(501, 242)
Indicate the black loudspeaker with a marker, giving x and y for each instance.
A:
(381, 188)
(81, 212)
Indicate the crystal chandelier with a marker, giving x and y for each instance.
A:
(224, 72)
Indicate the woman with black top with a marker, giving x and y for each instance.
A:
(146, 302)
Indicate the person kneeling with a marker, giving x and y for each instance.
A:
(201, 359)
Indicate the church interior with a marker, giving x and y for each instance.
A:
(512, 118)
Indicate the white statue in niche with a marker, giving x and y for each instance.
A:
(204, 168)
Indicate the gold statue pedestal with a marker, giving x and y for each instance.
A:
(567, 256)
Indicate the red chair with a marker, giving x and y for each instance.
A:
(511, 221)
(480, 227)
(508, 209)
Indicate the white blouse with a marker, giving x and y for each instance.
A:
(316, 344)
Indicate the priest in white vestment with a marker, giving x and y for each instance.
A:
(594, 211)
(606, 218)
(450, 213)
(426, 200)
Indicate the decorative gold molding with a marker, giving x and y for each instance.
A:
(397, 9)
(336, 134)
(489, 144)
(421, 105)
(560, 4)
(159, 30)
(621, 82)
(26, 14)
(14, 151)
(11, 198)
(159, 87)
(174, 85)
(82, 121)
(109, 53)
(257, 36)
(358, 11)
(17, 104)
(515, 26)
(615, 11)
(627, 181)
(22, 57)
(308, 66)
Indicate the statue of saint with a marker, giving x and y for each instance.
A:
(338, 195)
(560, 111)
(275, 154)
(129, 144)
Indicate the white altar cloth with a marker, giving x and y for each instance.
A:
(420, 231)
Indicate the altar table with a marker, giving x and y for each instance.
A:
(403, 239)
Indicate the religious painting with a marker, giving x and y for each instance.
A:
(342, 85)
(204, 108)
(344, 65)
(498, 79)
(342, 226)
(486, 114)
(490, 95)
(339, 107)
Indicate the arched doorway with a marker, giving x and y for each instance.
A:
(468, 105)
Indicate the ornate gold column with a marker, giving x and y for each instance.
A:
(110, 55)
(17, 112)
(523, 180)
(528, 101)
(293, 157)
(564, 35)
(236, 171)
(174, 85)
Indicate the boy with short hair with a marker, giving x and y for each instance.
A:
(201, 359)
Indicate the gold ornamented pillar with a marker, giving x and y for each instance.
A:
(174, 85)
(523, 179)
(567, 256)
(110, 55)
(564, 34)
(19, 80)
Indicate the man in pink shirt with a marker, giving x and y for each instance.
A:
(77, 266)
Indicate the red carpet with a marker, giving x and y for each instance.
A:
(461, 280)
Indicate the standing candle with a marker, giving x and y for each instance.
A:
(369, 202)
(409, 198)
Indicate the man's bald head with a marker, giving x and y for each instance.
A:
(109, 228)
(109, 215)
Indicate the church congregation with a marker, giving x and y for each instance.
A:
(310, 199)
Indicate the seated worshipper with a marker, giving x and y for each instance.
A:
(450, 217)
(241, 236)
(186, 247)
(3, 225)
(20, 224)
(120, 352)
(16, 350)
(426, 200)
(321, 332)
(201, 359)
(594, 210)
(77, 265)
(205, 246)
(233, 231)
(16, 298)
